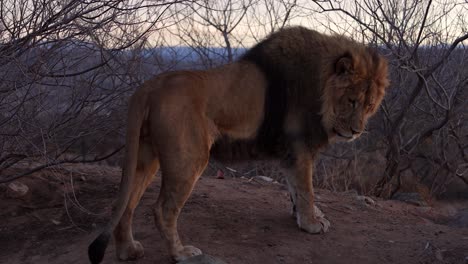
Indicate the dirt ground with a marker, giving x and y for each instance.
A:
(237, 220)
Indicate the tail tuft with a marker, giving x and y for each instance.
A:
(97, 249)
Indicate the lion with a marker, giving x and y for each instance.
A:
(286, 98)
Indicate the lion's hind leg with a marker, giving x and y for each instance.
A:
(178, 179)
(126, 247)
(184, 154)
(177, 185)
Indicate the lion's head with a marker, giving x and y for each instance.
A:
(353, 91)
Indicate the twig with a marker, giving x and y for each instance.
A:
(58, 162)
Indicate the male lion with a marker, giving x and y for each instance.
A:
(286, 98)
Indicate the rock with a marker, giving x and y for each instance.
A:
(17, 190)
(365, 200)
(263, 178)
(202, 259)
(411, 198)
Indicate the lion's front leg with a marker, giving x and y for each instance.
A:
(308, 216)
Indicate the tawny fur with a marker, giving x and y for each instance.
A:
(287, 97)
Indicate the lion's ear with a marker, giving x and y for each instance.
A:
(344, 64)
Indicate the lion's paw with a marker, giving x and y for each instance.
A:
(130, 251)
(318, 225)
(187, 252)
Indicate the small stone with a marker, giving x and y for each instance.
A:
(17, 190)
(55, 222)
(264, 178)
(365, 199)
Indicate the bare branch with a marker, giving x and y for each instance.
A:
(59, 162)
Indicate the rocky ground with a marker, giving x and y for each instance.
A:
(236, 220)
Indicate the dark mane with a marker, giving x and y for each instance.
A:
(293, 79)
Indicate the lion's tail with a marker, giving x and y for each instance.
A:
(136, 115)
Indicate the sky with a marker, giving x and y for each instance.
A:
(446, 20)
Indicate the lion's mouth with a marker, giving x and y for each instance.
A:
(341, 135)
